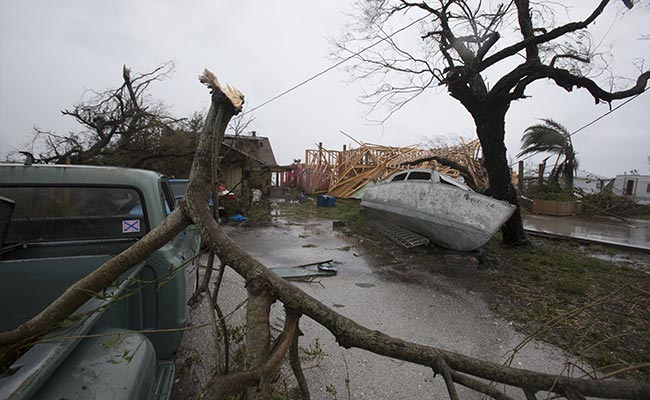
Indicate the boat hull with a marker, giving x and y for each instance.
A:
(449, 216)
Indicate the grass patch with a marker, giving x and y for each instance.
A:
(258, 214)
(597, 310)
(348, 210)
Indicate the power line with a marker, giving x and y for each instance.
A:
(590, 123)
(326, 70)
(334, 66)
(607, 113)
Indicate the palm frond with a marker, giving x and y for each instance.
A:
(556, 126)
(550, 137)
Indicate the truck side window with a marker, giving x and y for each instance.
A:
(167, 196)
(179, 188)
(60, 213)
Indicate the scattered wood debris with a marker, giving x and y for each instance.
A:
(343, 173)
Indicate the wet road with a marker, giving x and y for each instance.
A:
(634, 233)
(414, 304)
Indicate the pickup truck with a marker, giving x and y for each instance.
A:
(62, 222)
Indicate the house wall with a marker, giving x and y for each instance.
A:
(590, 185)
(259, 178)
(254, 177)
(231, 175)
(633, 187)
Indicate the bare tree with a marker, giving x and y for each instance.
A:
(264, 288)
(240, 124)
(124, 127)
(485, 54)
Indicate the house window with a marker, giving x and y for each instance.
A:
(647, 188)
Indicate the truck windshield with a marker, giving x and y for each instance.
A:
(74, 213)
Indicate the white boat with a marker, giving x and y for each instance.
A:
(439, 207)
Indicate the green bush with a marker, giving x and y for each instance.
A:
(550, 191)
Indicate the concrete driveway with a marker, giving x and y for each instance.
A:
(420, 296)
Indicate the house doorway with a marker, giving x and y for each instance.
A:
(629, 187)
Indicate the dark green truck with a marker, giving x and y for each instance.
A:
(62, 223)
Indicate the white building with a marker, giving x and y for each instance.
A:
(633, 187)
(589, 182)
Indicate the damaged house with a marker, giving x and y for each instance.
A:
(633, 187)
(246, 163)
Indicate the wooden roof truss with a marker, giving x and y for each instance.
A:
(349, 170)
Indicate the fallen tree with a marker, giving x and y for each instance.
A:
(264, 288)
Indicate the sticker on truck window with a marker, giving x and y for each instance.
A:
(130, 226)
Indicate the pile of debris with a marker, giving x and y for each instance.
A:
(344, 173)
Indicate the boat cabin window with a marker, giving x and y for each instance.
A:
(419, 176)
(399, 177)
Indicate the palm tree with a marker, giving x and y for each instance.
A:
(552, 137)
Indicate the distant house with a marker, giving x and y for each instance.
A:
(633, 187)
(246, 163)
(589, 182)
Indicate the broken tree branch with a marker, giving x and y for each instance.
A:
(85, 288)
(238, 381)
(203, 287)
(446, 375)
(347, 332)
(227, 102)
(294, 360)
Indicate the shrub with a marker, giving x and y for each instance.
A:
(609, 203)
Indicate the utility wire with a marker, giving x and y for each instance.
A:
(606, 114)
(590, 123)
(326, 70)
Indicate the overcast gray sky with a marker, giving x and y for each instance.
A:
(51, 51)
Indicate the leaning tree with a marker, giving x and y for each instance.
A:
(486, 54)
(552, 137)
(265, 287)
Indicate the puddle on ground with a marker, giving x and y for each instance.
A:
(636, 261)
(287, 244)
(632, 232)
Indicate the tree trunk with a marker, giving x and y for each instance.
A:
(569, 169)
(258, 333)
(490, 128)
